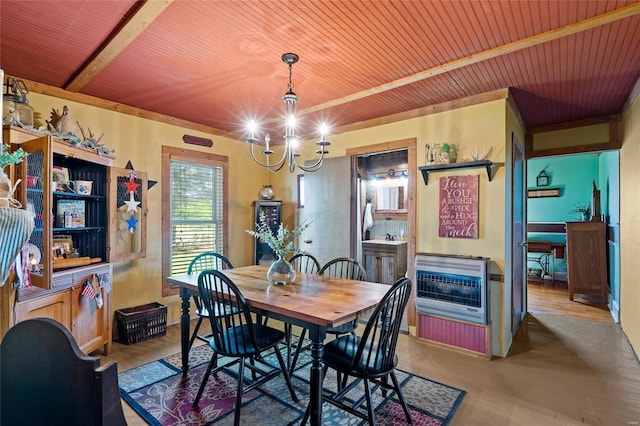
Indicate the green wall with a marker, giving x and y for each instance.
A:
(574, 176)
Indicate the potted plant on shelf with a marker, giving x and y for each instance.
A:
(16, 224)
(582, 210)
(282, 242)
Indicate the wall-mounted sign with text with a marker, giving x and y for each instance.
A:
(459, 206)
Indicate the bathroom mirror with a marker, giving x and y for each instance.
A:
(391, 197)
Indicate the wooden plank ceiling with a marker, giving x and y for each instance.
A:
(214, 64)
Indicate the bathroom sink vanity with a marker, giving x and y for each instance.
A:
(385, 261)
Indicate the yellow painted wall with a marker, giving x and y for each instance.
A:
(630, 226)
(140, 141)
(470, 127)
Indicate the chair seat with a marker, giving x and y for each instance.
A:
(339, 355)
(266, 337)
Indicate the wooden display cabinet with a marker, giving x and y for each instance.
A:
(587, 259)
(262, 253)
(57, 283)
(384, 261)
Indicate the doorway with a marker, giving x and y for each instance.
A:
(571, 177)
(357, 208)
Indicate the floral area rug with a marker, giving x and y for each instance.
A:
(162, 396)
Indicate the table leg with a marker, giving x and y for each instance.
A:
(185, 323)
(317, 335)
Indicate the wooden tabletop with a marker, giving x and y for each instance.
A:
(314, 299)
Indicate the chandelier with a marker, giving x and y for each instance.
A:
(291, 151)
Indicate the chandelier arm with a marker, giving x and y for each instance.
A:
(274, 166)
(313, 167)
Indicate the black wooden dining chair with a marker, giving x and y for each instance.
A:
(305, 262)
(237, 336)
(369, 359)
(344, 267)
(204, 261)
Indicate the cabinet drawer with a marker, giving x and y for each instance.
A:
(78, 276)
(63, 281)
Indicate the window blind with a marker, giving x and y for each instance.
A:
(196, 212)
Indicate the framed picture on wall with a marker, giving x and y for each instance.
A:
(542, 179)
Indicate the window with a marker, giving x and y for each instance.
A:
(193, 208)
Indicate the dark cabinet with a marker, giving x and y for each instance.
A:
(263, 254)
(587, 259)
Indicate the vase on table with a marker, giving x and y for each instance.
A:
(281, 272)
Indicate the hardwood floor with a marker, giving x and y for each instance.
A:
(553, 298)
(569, 364)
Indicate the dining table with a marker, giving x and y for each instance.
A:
(314, 302)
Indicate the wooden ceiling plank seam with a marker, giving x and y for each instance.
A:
(419, 19)
(517, 19)
(404, 15)
(363, 52)
(490, 27)
(426, 41)
(500, 22)
(392, 39)
(473, 41)
(526, 59)
(535, 17)
(371, 32)
(592, 63)
(445, 49)
(480, 25)
(452, 22)
(137, 22)
(508, 48)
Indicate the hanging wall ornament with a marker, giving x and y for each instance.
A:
(132, 204)
(132, 222)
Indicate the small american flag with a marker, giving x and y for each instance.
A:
(88, 290)
(104, 281)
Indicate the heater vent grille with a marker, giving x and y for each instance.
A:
(452, 287)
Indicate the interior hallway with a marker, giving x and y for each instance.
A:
(567, 367)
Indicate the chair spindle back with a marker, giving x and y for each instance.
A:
(344, 267)
(233, 335)
(377, 349)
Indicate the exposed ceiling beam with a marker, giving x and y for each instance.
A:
(146, 12)
(525, 43)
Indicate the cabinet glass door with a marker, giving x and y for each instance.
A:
(35, 196)
(271, 209)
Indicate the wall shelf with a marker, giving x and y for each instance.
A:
(488, 165)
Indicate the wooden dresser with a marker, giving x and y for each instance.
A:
(587, 259)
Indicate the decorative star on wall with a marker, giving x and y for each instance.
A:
(132, 222)
(132, 204)
(131, 185)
